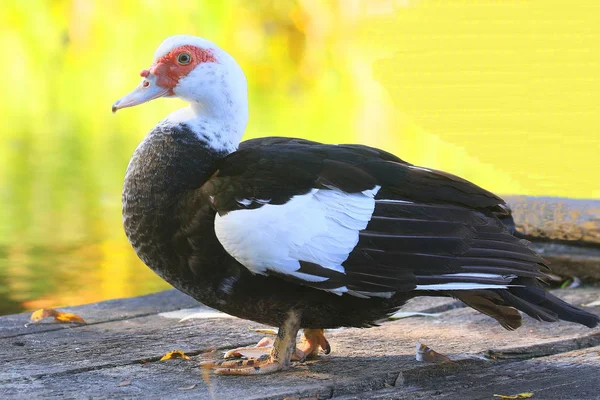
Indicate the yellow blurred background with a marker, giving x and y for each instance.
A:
(503, 93)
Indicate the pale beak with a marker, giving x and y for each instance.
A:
(147, 90)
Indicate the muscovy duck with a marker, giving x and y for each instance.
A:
(299, 234)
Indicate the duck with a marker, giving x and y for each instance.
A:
(298, 234)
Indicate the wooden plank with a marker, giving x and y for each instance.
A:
(93, 360)
(111, 310)
(168, 300)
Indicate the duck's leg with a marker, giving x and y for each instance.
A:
(278, 358)
(313, 340)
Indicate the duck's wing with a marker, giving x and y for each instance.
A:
(353, 219)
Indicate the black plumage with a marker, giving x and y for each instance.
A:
(426, 226)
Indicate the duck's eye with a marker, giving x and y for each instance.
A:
(184, 58)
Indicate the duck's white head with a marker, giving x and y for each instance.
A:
(199, 72)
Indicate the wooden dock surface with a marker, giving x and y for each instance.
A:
(116, 355)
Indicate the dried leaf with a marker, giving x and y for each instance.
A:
(59, 316)
(593, 304)
(41, 314)
(126, 382)
(524, 395)
(68, 317)
(175, 354)
(426, 354)
(552, 277)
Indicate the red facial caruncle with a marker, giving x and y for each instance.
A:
(176, 64)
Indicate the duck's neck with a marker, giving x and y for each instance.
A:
(221, 128)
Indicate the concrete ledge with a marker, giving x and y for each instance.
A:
(566, 232)
(557, 219)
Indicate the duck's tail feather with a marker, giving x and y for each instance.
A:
(490, 303)
(529, 298)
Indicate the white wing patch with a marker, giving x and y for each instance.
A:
(388, 201)
(248, 202)
(320, 227)
(470, 285)
(461, 286)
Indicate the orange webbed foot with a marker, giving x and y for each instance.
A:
(266, 357)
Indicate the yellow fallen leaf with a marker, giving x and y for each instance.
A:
(524, 395)
(59, 316)
(426, 354)
(175, 354)
(592, 304)
(68, 317)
